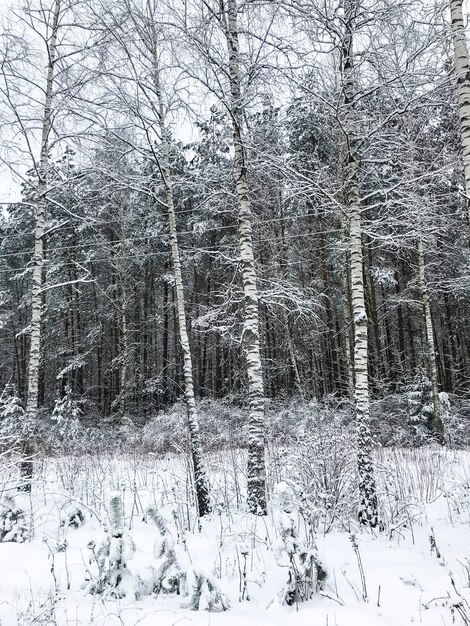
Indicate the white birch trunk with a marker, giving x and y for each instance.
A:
(436, 427)
(38, 259)
(346, 305)
(200, 475)
(462, 71)
(250, 335)
(368, 513)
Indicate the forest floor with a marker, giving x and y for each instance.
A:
(416, 570)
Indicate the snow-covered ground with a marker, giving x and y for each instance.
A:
(416, 570)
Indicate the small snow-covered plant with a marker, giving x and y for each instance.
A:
(11, 416)
(459, 605)
(111, 556)
(305, 572)
(66, 415)
(166, 576)
(13, 526)
(174, 574)
(202, 592)
(74, 518)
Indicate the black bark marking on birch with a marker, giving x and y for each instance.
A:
(368, 509)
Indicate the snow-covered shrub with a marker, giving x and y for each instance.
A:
(221, 424)
(111, 557)
(166, 432)
(284, 417)
(322, 460)
(11, 417)
(305, 572)
(73, 518)
(66, 416)
(174, 574)
(201, 591)
(13, 524)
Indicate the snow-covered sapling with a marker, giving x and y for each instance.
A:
(66, 415)
(11, 416)
(174, 574)
(167, 574)
(71, 518)
(74, 518)
(420, 405)
(305, 572)
(111, 557)
(202, 591)
(13, 526)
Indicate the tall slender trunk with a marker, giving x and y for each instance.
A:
(124, 334)
(368, 513)
(282, 272)
(38, 261)
(124, 354)
(437, 428)
(462, 71)
(402, 360)
(381, 372)
(292, 356)
(251, 327)
(200, 475)
(347, 340)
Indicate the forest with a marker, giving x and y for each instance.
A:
(234, 318)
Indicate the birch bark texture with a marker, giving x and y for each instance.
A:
(38, 255)
(368, 510)
(251, 333)
(436, 426)
(200, 474)
(462, 72)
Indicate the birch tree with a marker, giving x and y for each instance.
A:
(201, 484)
(225, 82)
(368, 513)
(462, 72)
(42, 75)
(142, 48)
(250, 335)
(437, 427)
(37, 17)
